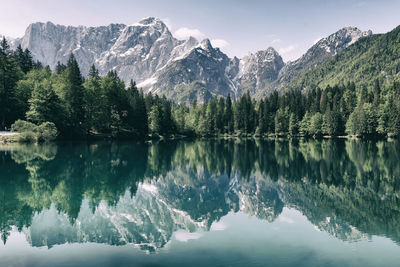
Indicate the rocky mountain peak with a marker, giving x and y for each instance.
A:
(341, 39)
(206, 45)
(321, 51)
(152, 23)
(257, 71)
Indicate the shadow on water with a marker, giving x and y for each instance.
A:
(68, 192)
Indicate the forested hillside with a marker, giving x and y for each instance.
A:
(370, 58)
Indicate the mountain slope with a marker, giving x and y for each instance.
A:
(320, 52)
(372, 57)
(203, 63)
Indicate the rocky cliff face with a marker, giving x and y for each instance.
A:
(202, 63)
(149, 54)
(257, 71)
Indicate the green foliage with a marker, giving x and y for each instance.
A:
(316, 124)
(363, 120)
(293, 124)
(10, 73)
(29, 132)
(371, 58)
(47, 131)
(44, 104)
(27, 137)
(155, 119)
(22, 126)
(282, 121)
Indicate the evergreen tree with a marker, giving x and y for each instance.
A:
(60, 67)
(137, 115)
(228, 116)
(376, 94)
(45, 105)
(24, 59)
(282, 121)
(9, 76)
(75, 98)
(293, 124)
(316, 124)
(155, 119)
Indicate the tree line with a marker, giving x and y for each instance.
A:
(105, 106)
(335, 111)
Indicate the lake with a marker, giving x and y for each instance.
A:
(201, 203)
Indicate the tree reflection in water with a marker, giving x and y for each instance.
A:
(120, 193)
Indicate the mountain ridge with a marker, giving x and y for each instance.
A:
(149, 54)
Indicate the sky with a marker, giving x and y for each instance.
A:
(237, 27)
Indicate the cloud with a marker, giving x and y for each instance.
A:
(276, 41)
(185, 237)
(285, 219)
(184, 33)
(167, 22)
(287, 49)
(220, 43)
(218, 226)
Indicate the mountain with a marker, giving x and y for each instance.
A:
(321, 51)
(258, 71)
(149, 54)
(373, 57)
(203, 63)
(134, 51)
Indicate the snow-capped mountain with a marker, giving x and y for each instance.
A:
(134, 51)
(202, 63)
(322, 50)
(149, 54)
(257, 71)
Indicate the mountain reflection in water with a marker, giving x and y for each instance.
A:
(143, 193)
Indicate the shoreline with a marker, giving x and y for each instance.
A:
(12, 137)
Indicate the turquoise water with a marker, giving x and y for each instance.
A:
(201, 203)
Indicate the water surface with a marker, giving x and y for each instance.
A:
(201, 203)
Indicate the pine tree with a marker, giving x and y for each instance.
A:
(293, 124)
(220, 115)
(376, 94)
(9, 75)
(261, 118)
(155, 119)
(137, 115)
(23, 59)
(228, 116)
(75, 98)
(93, 72)
(45, 105)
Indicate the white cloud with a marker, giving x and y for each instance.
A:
(220, 43)
(287, 49)
(167, 22)
(185, 236)
(285, 219)
(218, 226)
(276, 41)
(184, 33)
